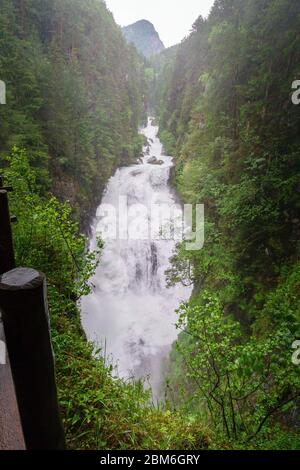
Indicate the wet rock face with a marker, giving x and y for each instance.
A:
(155, 161)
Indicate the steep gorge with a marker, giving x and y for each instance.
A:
(76, 97)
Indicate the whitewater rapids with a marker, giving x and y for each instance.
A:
(130, 314)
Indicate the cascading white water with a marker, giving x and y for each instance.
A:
(131, 310)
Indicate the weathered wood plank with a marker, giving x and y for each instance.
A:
(11, 435)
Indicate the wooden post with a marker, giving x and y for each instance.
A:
(23, 301)
(7, 258)
(11, 434)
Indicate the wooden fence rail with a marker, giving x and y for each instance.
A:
(7, 258)
(30, 361)
(11, 434)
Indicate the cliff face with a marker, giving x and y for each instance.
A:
(144, 36)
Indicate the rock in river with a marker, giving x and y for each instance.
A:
(155, 161)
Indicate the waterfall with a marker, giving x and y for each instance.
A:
(131, 312)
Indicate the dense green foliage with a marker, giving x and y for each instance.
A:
(243, 381)
(159, 70)
(226, 112)
(99, 411)
(74, 94)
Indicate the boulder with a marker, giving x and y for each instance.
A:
(155, 161)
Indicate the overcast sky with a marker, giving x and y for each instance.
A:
(172, 18)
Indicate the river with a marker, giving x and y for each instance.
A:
(131, 313)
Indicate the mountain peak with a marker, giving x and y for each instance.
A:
(145, 38)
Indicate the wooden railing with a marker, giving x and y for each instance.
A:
(29, 413)
(11, 433)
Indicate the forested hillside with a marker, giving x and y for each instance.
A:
(227, 115)
(75, 94)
